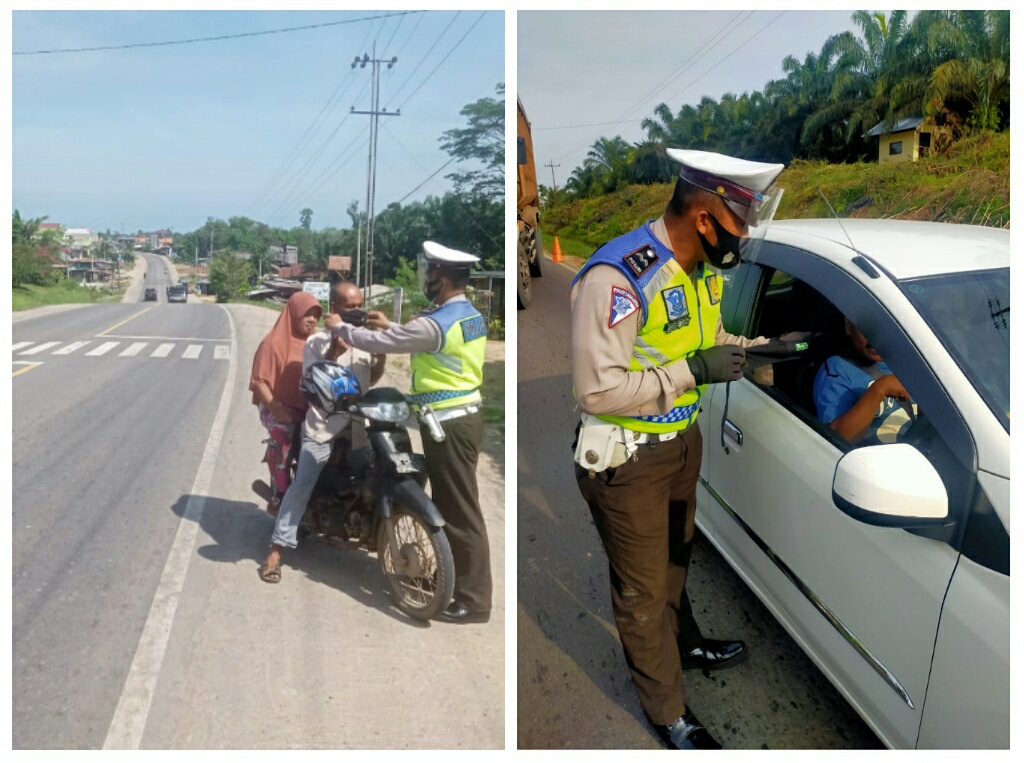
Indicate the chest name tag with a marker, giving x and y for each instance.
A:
(675, 308)
(714, 284)
(641, 260)
(473, 328)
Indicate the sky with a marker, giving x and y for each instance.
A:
(167, 136)
(596, 67)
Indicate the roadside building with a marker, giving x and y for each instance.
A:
(907, 140)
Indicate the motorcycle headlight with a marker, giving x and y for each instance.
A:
(390, 412)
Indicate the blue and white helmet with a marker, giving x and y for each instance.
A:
(329, 386)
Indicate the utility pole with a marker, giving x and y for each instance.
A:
(375, 114)
(552, 166)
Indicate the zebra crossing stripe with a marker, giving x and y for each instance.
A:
(19, 345)
(68, 349)
(103, 349)
(192, 351)
(39, 348)
(135, 349)
(162, 351)
(221, 352)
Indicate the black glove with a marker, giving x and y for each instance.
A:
(723, 363)
(355, 316)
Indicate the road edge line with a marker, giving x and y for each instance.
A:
(130, 716)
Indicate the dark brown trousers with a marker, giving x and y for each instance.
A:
(644, 511)
(451, 466)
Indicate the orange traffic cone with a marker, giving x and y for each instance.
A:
(556, 253)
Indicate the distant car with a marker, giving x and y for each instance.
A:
(150, 295)
(177, 294)
(183, 281)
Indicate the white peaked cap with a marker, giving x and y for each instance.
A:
(442, 255)
(756, 176)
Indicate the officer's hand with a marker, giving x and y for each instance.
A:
(331, 321)
(378, 320)
(723, 363)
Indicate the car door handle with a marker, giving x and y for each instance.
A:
(733, 431)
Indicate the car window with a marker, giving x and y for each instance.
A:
(970, 313)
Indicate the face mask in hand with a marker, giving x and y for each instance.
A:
(726, 253)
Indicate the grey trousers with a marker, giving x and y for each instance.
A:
(312, 458)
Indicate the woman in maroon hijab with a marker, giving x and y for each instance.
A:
(276, 372)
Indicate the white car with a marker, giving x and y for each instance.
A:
(888, 564)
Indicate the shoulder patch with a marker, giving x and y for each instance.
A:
(641, 260)
(714, 284)
(624, 304)
(473, 328)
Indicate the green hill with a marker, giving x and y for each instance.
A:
(970, 185)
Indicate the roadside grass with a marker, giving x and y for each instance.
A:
(65, 292)
(970, 184)
(493, 393)
(569, 246)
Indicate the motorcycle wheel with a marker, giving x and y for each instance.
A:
(421, 580)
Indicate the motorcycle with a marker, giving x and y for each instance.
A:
(375, 497)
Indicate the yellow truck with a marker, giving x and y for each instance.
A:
(530, 249)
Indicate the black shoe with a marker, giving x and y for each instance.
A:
(713, 655)
(686, 733)
(460, 613)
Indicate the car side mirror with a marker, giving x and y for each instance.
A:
(890, 486)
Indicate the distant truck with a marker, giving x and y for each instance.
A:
(530, 247)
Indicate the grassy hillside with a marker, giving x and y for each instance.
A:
(971, 185)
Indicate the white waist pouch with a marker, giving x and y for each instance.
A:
(602, 445)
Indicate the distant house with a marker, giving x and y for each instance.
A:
(81, 238)
(907, 140)
(286, 254)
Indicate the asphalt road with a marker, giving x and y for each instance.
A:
(138, 616)
(574, 689)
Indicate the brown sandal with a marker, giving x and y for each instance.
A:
(270, 573)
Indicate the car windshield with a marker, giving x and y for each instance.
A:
(970, 313)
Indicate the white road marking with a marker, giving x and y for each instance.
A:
(68, 349)
(164, 338)
(162, 351)
(39, 348)
(19, 345)
(135, 349)
(221, 352)
(192, 351)
(103, 349)
(129, 722)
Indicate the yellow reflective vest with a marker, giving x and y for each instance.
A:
(452, 375)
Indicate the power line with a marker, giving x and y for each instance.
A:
(408, 37)
(393, 33)
(429, 177)
(723, 31)
(417, 67)
(589, 124)
(211, 39)
(409, 97)
(331, 103)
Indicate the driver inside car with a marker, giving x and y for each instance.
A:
(858, 397)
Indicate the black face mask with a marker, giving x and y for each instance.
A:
(726, 253)
(432, 288)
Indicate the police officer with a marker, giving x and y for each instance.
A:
(447, 345)
(646, 340)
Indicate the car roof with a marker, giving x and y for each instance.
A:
(905, 248)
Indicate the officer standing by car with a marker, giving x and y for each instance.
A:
(646, 340)
(447, 345)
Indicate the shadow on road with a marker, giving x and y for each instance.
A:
(241, 532)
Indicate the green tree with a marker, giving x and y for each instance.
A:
(482, 142)
(306, 218)
(33, 252)
(229, 276)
